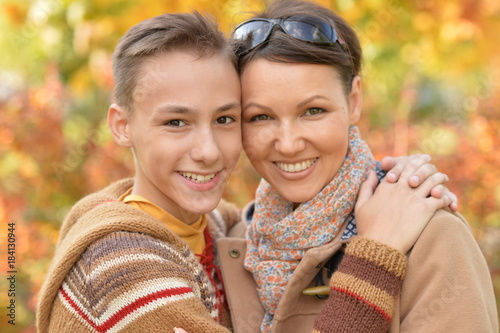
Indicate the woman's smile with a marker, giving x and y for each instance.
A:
(296, 166)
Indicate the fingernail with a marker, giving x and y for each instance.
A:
(391, 175)
(176, 330)
(416, 179)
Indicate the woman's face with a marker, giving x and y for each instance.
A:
(296, 120)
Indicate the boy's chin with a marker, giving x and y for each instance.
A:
(204, 207)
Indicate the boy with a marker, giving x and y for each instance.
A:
(120, 262)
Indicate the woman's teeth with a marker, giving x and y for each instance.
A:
(197, 178)
(296, 167)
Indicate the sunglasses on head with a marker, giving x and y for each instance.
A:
(254, 32)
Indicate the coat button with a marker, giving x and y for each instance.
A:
(233, 253)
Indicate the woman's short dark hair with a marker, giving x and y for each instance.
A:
(283, 48)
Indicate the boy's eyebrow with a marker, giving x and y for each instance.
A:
(173, 109)
(179, 109)
(229, 106)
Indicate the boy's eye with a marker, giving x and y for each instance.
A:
(260, 117)
(175, 123)
(314, 111)
(224, 120)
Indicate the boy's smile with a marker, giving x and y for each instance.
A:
(200, 182)
(185, 131)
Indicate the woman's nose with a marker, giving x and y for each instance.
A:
(289, 140)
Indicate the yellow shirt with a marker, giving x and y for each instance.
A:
(191, 234)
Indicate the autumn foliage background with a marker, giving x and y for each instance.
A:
(431, 84)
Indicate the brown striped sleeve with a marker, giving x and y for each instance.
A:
(133, 282)
(364, 289)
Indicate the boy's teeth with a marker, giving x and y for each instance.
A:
(198, 178)
(297, 166)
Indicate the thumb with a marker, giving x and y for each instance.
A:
(389, 162)
(367, 189)
(179, 330)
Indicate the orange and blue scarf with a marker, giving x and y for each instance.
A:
(279, 236)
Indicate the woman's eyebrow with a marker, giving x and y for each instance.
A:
(257, 105)
(304, 102)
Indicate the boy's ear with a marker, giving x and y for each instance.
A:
(355, 101)
(118, 122)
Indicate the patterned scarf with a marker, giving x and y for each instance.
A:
(279, 236)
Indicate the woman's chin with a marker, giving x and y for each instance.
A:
(297, 199)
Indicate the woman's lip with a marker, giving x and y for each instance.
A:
(297, 175)
(295, 161)
(296, 166)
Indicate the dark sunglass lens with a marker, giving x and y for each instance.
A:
(309, 29)
(252, 33)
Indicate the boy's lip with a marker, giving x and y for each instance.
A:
(201, 181)
(198, 176)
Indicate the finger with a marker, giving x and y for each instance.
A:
(179, 330)
(454, 202)
(367, 188)
(435, 204)
(421, 173)
(394, 166)
(398, 165)
(440, 190)
(437, 192)
(389, 162)
(426, 157)
(432, 182)
(416, 161)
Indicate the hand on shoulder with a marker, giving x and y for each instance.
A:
(396, 213)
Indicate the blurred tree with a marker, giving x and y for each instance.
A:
(431, 79)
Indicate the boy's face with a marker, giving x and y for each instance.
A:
(185, 131)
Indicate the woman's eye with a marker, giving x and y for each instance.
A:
(314, 111)
(224, 120)
(259, 117)
(175, 123)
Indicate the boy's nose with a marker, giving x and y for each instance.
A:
(205, 148)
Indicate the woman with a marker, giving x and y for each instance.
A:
(301, 100)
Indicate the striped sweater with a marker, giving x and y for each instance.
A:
(364, 289)
(118, 269)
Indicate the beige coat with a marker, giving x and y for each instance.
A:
(447, 287)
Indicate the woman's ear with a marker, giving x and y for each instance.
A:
(118, 122)
(355, 100)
